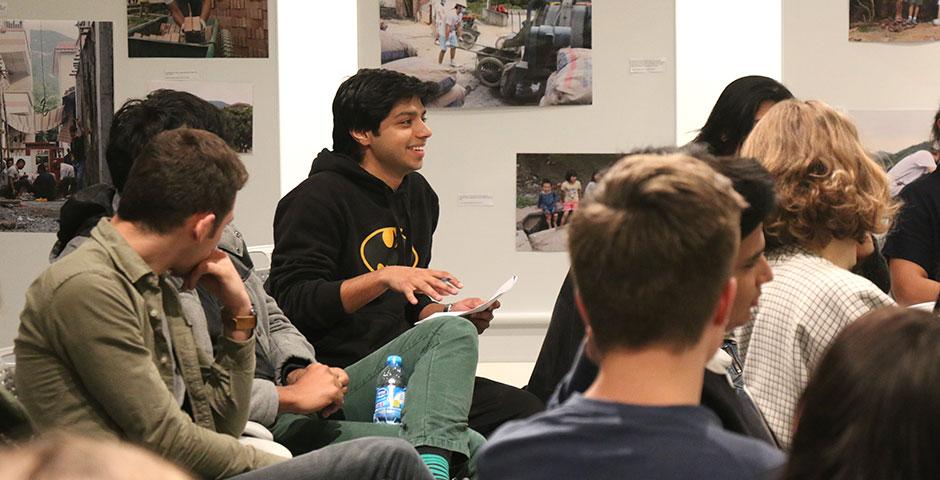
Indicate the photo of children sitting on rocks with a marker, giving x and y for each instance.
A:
(492, 53)
(550, 187)
(894, 21)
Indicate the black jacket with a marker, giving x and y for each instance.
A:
(339, 223)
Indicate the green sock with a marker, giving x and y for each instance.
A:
(440, 468)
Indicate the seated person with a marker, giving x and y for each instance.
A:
(659, 242)
(103, 349)
(832, 196)
(283, 355)
(869, 410)
(912, 246)
(739, 107)
(352, 242)
(44, 185)
(723, 391)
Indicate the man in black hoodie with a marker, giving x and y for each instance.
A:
(352, 242)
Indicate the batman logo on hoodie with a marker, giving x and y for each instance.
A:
(381, 248)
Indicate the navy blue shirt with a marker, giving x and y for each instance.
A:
(586, 438)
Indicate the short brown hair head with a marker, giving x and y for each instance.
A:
(827, 186)
(653, 251)
(181, 172)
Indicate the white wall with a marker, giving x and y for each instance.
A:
(892, 85)
(474, 151)
(23, 256)
(319, 41)
(717, 42)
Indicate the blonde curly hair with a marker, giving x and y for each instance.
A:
(827, 186)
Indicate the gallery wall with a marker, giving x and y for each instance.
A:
(888, 87)
(473, 152)
(24, 255)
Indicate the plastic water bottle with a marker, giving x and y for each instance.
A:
(390, 392)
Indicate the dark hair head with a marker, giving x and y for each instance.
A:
(569, 174)
(732, 117)
(41, 168)
(546, 180)
(180, 173)
(20, 160)
(139, 120)
(935, 129)
(658, 241)
(366, 98)
(753, 182)
(870, 408)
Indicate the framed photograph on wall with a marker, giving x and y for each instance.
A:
(894, 21)
(56, 104)
(550, 187)
(197, 28)
(492, 54)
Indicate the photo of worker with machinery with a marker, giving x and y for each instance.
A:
(492, 53)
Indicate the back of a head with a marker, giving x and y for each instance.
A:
(366, 98)
(66, 457)
(139, 120)
(732, 117)
(827, 185)
(653, 251)
(180, 173)
(869, 411)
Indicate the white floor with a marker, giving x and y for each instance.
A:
(511, 373)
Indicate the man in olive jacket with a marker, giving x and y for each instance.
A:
(104, 350)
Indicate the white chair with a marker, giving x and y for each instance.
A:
(261, 257)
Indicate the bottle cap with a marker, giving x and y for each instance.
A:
(393, 361)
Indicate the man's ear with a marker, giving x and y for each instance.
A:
(725, 301)
(363, 137)
(590, 347)
(203, 225)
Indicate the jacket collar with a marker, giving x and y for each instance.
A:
(125, 258)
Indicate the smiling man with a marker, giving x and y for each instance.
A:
(352, 242)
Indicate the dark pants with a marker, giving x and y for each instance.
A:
(362, 459)
(496, 403)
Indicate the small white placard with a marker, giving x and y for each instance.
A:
(178, 75)
(474, 200)
(648, 65)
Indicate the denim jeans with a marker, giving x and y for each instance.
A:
(362, 459)
(439, 358)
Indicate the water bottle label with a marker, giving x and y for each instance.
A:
(389, 400)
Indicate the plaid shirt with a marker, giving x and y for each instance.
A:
(799, 314)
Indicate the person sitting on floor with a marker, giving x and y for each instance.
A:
(653, 258)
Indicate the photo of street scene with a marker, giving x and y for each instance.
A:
(492, 53)
(232, 99)
(894, 21)
(56, 104)
(550, 187)
(197, 28)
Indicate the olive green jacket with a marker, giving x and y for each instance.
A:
(92, 357)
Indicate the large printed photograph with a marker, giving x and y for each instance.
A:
(894, 21)
(491, 53)
(56, 103)
(550, 187)
(197, 28)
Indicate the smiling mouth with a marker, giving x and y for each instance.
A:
(419, 148)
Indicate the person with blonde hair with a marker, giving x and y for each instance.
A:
(831, 197)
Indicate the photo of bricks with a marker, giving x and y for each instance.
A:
(197, 28)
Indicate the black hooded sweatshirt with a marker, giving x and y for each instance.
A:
(339, 223)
